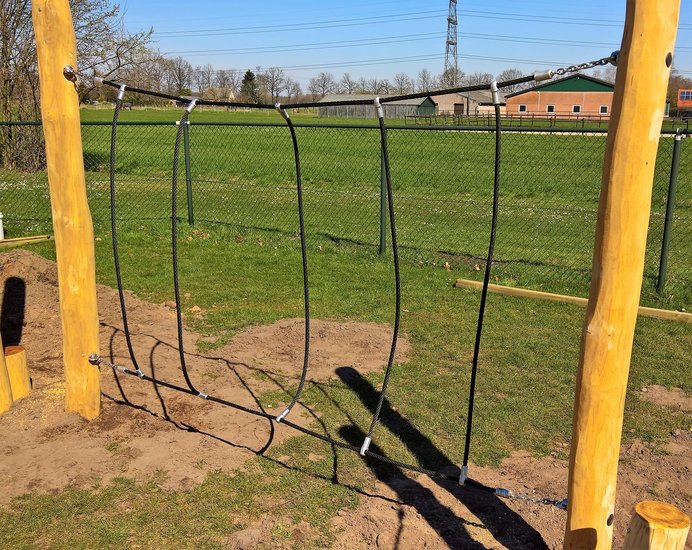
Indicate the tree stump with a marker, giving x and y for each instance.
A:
(5, 387)
(657, 525)
(18, 371)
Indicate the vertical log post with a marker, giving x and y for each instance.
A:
(5, 387)
(618, 263)
(72, 225)
(18, 372)
(657, 526)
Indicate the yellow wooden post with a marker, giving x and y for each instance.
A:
(5, 387)
(606, 347)
(18, 371)
(72, 225)
(657, 526)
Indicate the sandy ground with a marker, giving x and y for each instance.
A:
(143, 427)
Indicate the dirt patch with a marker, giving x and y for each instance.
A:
(410, 513)
(160, 429)
(144, 429)
(673, 398)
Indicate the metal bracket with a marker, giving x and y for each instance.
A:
(70, 74)
(378, 107)
(282, 111)
(495, 93)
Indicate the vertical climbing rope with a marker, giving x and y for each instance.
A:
(304, 254)
(486, 281)
(114, 228)
(397, 276)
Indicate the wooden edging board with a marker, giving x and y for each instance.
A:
(17, 241)
(526, 293)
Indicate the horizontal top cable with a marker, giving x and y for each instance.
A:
(71, 75)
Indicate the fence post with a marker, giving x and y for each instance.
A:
(670, 206)
(188, 173)
(383, 206)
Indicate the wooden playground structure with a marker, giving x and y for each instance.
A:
(644, 65)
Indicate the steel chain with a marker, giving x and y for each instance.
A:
(611, 59)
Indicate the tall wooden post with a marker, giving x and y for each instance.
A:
(72, 225)
(618, 263)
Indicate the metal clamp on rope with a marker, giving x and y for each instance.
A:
(495, 93)
(121, 92)
(284, 112)
(463, 475)
(139, 373)
(378, 107)
(283, 415)
(94, 359)
(98, 80)
(203, 395)
(614, 57)
(505, 493)
(191, 105)
(365, 446)
(543, 75)
(562, 505)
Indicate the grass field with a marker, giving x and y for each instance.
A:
(243, 176)
(524, 401)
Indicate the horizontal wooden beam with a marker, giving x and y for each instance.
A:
(18, 241)
(666, 314)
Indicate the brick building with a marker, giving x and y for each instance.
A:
(578, 95)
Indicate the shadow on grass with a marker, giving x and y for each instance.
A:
(506, 526)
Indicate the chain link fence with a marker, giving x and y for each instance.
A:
(243, 175)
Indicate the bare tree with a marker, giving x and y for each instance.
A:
(511, 74)
(179, 75)
(426, 81)
(362, 86)
(373, 85)
(229, 79)
(385, 87)
(451, 78)
(606, 73)
(476, 79)
(322, 84)
(347, 85)
(402, 84)
(273, 81)
(292, 89)
(203, 77)
(103, 47)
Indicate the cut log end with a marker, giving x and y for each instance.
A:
(657, 525)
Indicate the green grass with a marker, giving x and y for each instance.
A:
(243, 176)
(243, 277)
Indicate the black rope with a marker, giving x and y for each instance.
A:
(304, 254)
(486, 281)
(397, 275)
(174, 247)
(387, 99)
(114, 232)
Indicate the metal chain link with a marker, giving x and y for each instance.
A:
(611, 59)
(506, 493)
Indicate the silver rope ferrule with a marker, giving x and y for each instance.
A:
(203, 395)
(190, 106)
(504, 493)
(463, 475)
(378, 107)
(282, 111)
(365, 446)
(98, 80)
(496, 94)
(121, 92)
(283, 415)
(139, 373)
(542, 75)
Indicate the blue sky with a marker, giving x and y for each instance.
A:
(379, 38)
